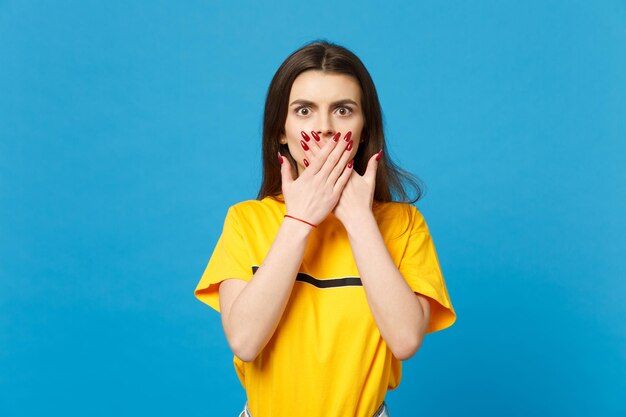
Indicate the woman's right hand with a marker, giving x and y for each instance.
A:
(316, 191)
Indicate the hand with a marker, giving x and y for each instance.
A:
(317, 189)
(358, 195)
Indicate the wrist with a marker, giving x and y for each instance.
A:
(297, 227)
(300, 220)
(359, 222)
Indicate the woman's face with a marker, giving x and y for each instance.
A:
(325, 103)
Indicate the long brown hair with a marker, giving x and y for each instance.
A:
(331, 58)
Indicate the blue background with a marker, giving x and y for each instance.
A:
(128, 128)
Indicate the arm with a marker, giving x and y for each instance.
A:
(401, 315)
(251, 310)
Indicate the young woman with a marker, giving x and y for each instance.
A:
(325, 283)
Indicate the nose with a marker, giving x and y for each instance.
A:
(326, 129)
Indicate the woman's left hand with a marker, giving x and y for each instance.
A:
(358, 195)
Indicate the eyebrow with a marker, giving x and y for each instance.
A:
(334, 103)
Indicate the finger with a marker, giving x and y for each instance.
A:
(334, 157)
(316, 140)
(315, 145)
(372, 167)
(339, 168)
(285, 169)
(317, 163)
(345, 176)
(304, 144)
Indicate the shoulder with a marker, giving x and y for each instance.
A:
(396, 210)
(399, 215)
(244, 206)
(265, 204)
(257, 210)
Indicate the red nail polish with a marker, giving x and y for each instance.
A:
(379, 154)
(350, 163)
(280, 158)
(348, 135)
(349, 147)
(305, 136)
(306, 163)
(304, 145)
(336, 137)
(315, 136)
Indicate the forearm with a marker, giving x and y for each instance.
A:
(257, 310)
(395, 307)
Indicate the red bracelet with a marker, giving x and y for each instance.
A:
(311, 224)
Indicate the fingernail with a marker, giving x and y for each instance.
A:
(306, 163)
(379, 154)
(280, 158)
(337, 136)
(350, 163)
(348, 135)
(349, 145)
(304, 145)
(315, 136)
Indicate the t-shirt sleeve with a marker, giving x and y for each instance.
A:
(230, 259)
(420, 268)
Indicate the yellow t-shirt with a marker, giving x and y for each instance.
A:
(326, 357)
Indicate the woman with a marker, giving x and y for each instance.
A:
(324, 282)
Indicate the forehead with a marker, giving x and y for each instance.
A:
(319, 86)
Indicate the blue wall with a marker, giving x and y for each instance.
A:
(117, 120)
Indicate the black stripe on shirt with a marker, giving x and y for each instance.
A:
(325, 283)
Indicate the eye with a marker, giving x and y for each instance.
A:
(297, 110)
(346, 111)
